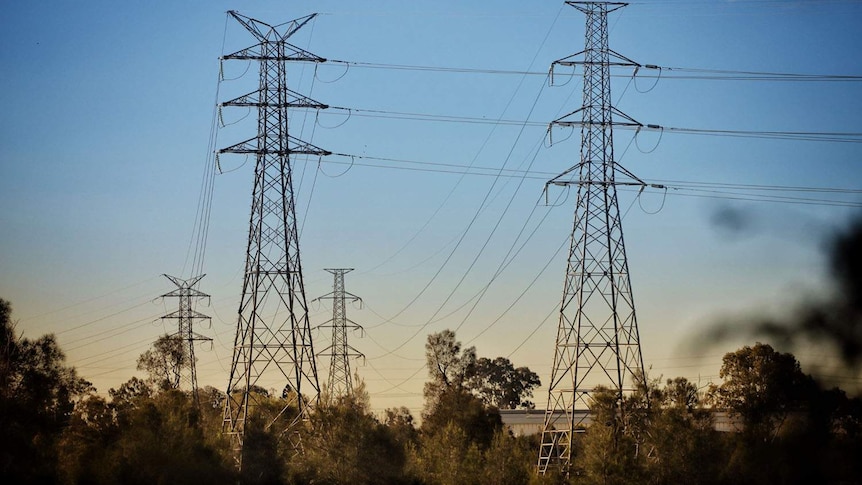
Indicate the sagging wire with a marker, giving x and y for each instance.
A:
(654, 127)
(657, 79)
(346, 69)
(320, 167)
(558, 203)
(663, 199)
(221, 71)
(551, 76)
(225, 125)
(550, 136)
(318, 123)
(222, 172)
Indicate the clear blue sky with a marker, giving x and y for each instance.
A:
(104, 136)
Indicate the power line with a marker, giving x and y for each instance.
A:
(819, 136)
(686, 73)
(694, 188)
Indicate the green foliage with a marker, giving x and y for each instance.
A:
(345, 444)
(448, 366)
(263, 459)
(498, 383)
(509, 460)
(466, 412)
(608, 452)
(37, 396)
(145, 439)
(761, 386)
(399, 421)
(59, 431)
(682, 445)
(447, 456)
(164, 362)
(267, 448)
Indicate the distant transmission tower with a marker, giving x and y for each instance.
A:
(273, 347)
(597, 337)
(340, 381)
(185, 375)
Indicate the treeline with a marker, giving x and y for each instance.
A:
(59, 431)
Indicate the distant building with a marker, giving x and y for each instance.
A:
(526, 422)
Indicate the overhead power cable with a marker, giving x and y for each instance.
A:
(819, 136)
(672, 72)
(748, 192)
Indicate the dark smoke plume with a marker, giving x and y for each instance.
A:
(834, 319)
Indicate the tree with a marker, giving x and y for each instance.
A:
(401, 426)
(448, 366)
(608, 452)
(129, 393)
(447, 456)
(680, 394)
(85, 444)
(447, 398)
(761, 386)
(37, 396)
(161, 441)
(681, 444)
(164, 362)
(498, 383)
(509, 460)
(459, 407)
(345, 444)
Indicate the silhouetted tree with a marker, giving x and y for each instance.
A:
(345, 444)
(498, 383)
(448, 366)
(401, 425)
(761, 386)
(164, 362)
(37, 396)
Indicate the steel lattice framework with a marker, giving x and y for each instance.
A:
(273, 345)
(185, 375)
(340, 381)
(597, 338)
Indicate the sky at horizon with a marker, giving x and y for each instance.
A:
(105, 137)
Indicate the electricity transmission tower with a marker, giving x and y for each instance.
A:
(273, 347)
(340, 381)
(184, 373)
(597, 337)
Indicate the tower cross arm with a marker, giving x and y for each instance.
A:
(567, 121)
(186, 314)
(261, 30)
(251, 146)
(181, 283)
(255, 53)
(294, 100)
(619, 60)
(588, 7)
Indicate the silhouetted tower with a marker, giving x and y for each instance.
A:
(185, 375)
(597, 337)
(273, 347)
(340, 381)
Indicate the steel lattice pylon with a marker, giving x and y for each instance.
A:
(185, 375)
(597, 338)
(273, 346)
(340, 381)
